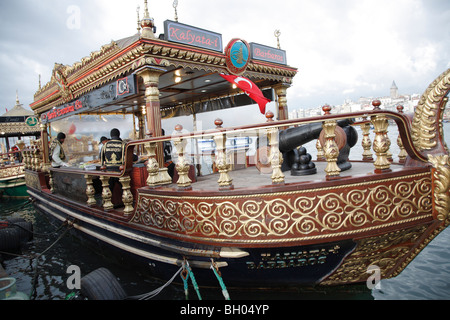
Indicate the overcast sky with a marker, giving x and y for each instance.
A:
(342, 48)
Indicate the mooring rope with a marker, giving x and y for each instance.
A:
(185, 274)
(69, 225)
(154, 293)
(216, 271)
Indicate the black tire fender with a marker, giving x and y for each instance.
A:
(101, 284)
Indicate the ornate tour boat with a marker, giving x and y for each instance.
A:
(272, 219)
(16, 123)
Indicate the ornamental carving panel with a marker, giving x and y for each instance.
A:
(288, 216)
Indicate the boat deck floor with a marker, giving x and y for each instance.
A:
(251, 177)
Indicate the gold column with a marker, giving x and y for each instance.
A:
(381, 144)
(403, 154)
(381, 141)
(150, 77)
(152, 165)
(127, 196)
(275, 156)
(320, 154)
(225, 181)
(44, 147)
(90, 191)
(280, 91)
(51, 182)
(106, 194)
(331, 149)
(182, 165)
(366, 143)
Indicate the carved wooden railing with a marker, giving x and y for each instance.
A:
(157, 175)
(10, 165)
(376, 118)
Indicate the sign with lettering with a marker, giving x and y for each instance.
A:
(182, 33)
(9, 119)
(269, 54)
(112, 92)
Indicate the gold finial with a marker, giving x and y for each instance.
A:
(277, 34)
(138, 20)
(146, 14)
(40, 82)
(175, 5)
(17, 98)
(147, 24)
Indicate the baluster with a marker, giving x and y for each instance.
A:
(381, 141)
(225, 181)
(152, 165)
(275, 156)
(127, 196)
(182, 165)
(33, 157)
(106, 194)
(37, 160)
(90, 191)
(24, 160)
(320, 154)
(330, 146)
(51, 182)
(12, 160)
(403, 154)
(366, 143)
(164, 176)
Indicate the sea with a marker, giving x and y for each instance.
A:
(42, 272)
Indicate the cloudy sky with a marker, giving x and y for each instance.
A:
(344, 49)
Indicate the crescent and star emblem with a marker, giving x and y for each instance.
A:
(239, 79)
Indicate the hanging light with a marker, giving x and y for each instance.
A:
(177, 76)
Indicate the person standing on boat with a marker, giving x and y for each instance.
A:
(112, 157)
(57, 155)
(113, 151)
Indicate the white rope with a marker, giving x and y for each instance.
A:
(154, 293)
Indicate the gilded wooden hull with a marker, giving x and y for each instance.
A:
(329, 233)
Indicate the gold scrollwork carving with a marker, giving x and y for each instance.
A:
(441, 185)
(295, 216)
(383, 251)
(424, 126)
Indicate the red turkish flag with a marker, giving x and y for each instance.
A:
(250, 89)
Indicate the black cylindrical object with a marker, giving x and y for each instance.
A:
(292, 138)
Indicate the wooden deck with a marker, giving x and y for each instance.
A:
(251, 177)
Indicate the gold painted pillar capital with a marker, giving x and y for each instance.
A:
(281, 92)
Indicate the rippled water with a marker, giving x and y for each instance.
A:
(426, 277)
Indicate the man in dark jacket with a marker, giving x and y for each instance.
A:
(112, 154)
